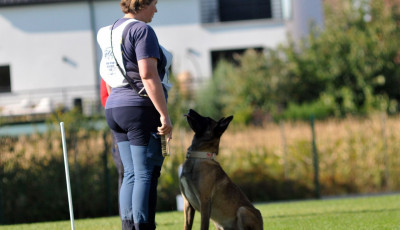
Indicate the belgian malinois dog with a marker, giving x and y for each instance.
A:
(207, 188)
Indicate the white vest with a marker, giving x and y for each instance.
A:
(108, 68)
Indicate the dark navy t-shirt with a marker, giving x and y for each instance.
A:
(139, 41)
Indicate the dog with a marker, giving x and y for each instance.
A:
(206, 187)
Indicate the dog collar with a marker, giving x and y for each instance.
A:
(202, 155)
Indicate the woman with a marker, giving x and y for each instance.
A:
(137, 120)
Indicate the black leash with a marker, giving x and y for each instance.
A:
(134, 87)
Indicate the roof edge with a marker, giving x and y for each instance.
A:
(5, 3)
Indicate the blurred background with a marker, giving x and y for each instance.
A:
(313, 86)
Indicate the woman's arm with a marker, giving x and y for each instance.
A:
(152, 83)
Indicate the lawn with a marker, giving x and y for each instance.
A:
(365, 212)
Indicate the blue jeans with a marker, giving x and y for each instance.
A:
(142, 166)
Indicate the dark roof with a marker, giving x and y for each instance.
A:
(31, 2)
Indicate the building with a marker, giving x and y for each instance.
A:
(49, 55)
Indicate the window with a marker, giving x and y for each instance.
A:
(228, 55)
(235, 10)
(239, 10)
(5, 79)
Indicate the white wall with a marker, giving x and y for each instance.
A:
(47, 46)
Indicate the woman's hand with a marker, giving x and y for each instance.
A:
(165, 128)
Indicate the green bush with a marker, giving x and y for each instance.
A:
(241, 90)
(354, 62)
(33, 180)
(320, 109)
(213, 96)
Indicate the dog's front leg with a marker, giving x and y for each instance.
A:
(188, 213)
(205, 209)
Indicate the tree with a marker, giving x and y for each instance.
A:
(350, 67)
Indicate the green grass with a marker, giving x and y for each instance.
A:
(374, 212)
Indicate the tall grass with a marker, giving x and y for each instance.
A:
(356, 155)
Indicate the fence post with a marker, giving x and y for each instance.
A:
(106, 173)
(386, 182)
(1, 203)
(315, 160)
(284, 148)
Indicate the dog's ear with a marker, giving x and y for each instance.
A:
(223, 124)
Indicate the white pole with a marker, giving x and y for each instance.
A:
(71, 209)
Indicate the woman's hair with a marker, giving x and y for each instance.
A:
(134, 6)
